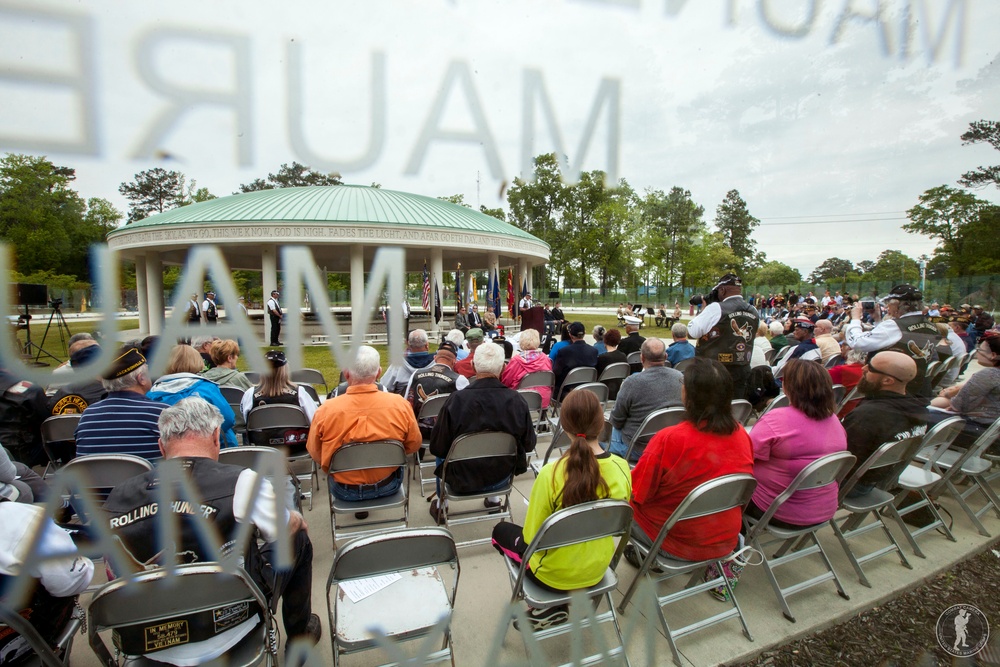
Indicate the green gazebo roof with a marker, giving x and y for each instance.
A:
(349, 204)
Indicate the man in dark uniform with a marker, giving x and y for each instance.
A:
(725, 330)
(189, 438)
(632, 342)
(907, 330)
(23, 408)
(274, 313)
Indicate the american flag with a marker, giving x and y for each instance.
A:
(425, 298)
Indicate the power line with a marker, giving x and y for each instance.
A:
(829, 222)
(828, 215)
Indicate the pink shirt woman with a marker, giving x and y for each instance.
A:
(786, 440)
(528, 360)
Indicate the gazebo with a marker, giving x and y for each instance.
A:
(342, 225)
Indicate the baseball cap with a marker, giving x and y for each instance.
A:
(729, 279)
(577, 329)
(475, 334)
(803, 323)
(276, 358)
(905, 291)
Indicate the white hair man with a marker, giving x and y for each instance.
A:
(189, 434)
(362, 414)
(417, 356)
(458, 338)
(485, 405)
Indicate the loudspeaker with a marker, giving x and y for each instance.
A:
(553, 295)
(31, 295)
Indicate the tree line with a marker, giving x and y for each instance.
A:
(603, 236)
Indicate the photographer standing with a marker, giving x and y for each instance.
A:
(908, 330)
(725, 330)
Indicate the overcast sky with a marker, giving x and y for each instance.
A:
(830, 124)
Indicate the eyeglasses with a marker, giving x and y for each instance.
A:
(875, 370)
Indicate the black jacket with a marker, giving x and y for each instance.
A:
(880, 418)
(485, 405)
(576, 354)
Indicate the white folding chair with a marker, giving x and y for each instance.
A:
(926, 482)
(612, 375)
(654, 422)
(418, 604)
(970, 464)
(575, 525)
(681, 365)
(839, 391)
(354, 456)
(779, 401)
(829, 469)
(469, 448)
(598, 389)
(103, 472)
(718, 495)
(892, 454)
(252, 457)
(853, 395)
(635, 361)
(148, 613)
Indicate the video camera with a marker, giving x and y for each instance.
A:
(55, 303)
(711, 297)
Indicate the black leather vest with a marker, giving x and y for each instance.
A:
(132, 511)
(919, 340)
(730, 341)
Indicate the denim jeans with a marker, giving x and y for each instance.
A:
(618, 445)
(354, 493)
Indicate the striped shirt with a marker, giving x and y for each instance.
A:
(123, 423)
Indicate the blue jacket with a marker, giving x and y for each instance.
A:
(172, 388)
(679, 351)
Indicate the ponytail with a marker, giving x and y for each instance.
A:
(582, 416)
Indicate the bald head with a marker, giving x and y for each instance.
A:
(892, 371)
(823, 327)
(653, 352)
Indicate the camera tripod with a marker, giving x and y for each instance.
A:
(61, 327)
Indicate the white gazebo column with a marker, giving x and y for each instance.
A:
(531, 282)
(357, 276)
(522, 276)
(437, 278)
(140, 294)
(154, 292)
(269, 270)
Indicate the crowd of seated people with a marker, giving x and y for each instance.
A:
(183, 416)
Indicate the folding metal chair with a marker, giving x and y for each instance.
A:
(59, 441)
(575, 525)
(310, 376)
(832, 361)
(742, 410)
(430, 409)
(155, 610)
(780, 401)
(839, 391)
(579, 375)
(942, 370)
(829, 469)
(598, 389)
(354, 456)
(614, 373)
(234, 397)
(560, 441)
(853, 395)
(635, 361)
(926, 482)
(654, 422)
(892, 454)
(285, 427)
(418, 604)
(250, 456)
(103, 472)
(681, 365)
(253, 376)
(470, 447)
(718, 495)
(311, 390)
(970, 464)
(534, 401)
(539, 379)
(769, 356)
(44, 655)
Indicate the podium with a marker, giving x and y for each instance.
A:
(534, 318)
